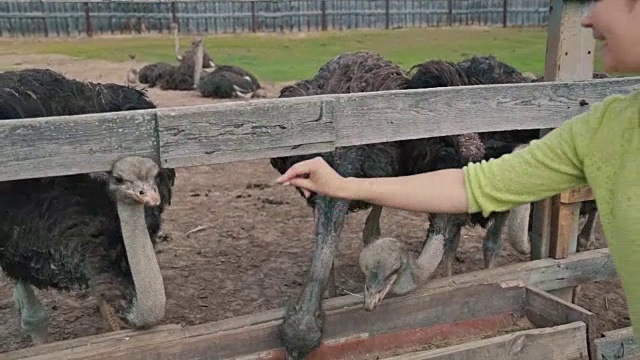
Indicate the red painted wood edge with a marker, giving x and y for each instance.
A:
(366, 345)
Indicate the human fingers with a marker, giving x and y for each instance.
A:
(301, 169)
(303, 184)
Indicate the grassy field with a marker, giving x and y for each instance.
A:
(276, 57)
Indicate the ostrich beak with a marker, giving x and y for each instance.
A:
(373, 293)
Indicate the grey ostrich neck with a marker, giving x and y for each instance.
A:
(149, 305)
(417, 271)
(330, 214)
(303, 324)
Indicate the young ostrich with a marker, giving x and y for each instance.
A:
(87, 231)
(302, 328)
(386, 267)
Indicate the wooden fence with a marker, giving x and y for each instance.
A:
(201, 135)
(227, 132)
(71, 18)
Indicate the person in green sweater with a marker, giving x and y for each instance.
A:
(599, 148)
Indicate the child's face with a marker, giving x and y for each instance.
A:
(617, 24)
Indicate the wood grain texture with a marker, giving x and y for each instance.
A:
(346, 316)
(201, 135)
(563, 342)
(457, 305)
(577, 195)
(546, 310)
(617, 344)
(73, 144)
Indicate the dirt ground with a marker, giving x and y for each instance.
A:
(236, 244)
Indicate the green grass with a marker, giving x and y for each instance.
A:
(275, 57)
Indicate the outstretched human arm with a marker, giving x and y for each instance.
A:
(547, 167)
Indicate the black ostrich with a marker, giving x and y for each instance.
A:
(302, 328)
(238, 71)
(153, 74)
(88, 231)
(226, 85)
(385, 265)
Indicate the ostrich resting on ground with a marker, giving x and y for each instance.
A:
(87, 231)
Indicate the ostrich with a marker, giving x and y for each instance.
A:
(88, 231)
(302, 327)
(150, 74)
(190, 55)
(238, 71)
(386, 267)
(224, 85)
(179, 78)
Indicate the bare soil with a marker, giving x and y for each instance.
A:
(236, 244)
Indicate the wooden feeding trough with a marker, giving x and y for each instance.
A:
(617, 344)
(489, 321)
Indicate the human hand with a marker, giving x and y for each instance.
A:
(314, 175)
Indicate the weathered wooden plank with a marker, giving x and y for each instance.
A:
(577, 195)
(563, 342)
(410, 114)
(457, 305)
(545, 274)
(73, 144)
(617, 344)
(201, 135)
(570, 55)
(228, 132)
(547, 310)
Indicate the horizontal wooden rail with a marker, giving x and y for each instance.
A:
(218, 133)
(348, 313)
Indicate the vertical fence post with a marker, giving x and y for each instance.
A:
(450, 15)
(174, 14)
(387, 15)
(323, 8)
(87, 20)
(505, 13)
(254, 18)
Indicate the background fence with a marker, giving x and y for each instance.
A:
(47, 18)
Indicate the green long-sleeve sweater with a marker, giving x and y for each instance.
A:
(599, 148)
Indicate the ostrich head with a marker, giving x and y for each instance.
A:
(383, 262)
(133, 180)
(388, 268)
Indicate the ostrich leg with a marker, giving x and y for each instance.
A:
(492, 243)
(34, 318)
(302, 328)
(371, 229)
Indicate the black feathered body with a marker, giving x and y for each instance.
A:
(63, 232)
(240, 72)
(179, 78)
(223, 85)
(351, 73)
(152, 74)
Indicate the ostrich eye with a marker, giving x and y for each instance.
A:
(119, 180)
